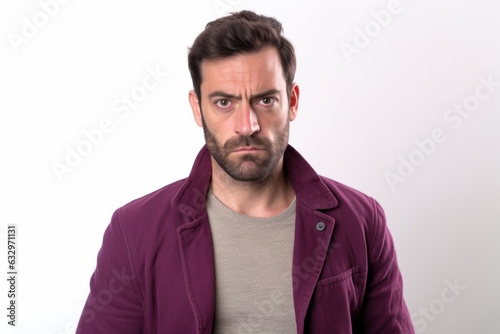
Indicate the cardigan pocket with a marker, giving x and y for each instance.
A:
(342, 291)
(340, 277)
(336, 303)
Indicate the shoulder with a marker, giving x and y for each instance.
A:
(355, 206)
(158, 199)
(347, 195)
(148, 212)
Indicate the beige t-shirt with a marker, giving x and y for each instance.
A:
(253, 270)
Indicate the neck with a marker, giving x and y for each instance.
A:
(261, 199)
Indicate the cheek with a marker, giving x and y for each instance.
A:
(221, 129)
(276, 133)
(278, 124)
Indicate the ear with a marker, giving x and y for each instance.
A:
(294, 101)
(195, 107)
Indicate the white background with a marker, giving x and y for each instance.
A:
(358, 115)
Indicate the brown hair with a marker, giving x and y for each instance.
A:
(238, 33)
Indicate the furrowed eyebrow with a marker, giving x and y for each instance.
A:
(265, 94)
(219, 93)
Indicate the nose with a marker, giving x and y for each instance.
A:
(246, 121)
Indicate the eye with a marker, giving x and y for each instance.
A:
(223, 103)
(267, 101)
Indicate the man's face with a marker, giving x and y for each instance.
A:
(245, 113)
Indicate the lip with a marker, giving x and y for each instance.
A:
(248, 149)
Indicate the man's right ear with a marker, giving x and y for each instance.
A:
(195, 107)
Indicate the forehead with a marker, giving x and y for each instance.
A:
(251, 70)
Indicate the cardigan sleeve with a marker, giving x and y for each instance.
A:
(384, 309)
(114, 304)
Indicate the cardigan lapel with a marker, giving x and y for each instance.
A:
(195, 243)
(313, 230)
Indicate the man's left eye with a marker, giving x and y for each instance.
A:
(267, 101)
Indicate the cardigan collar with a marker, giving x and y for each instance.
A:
(307, 184)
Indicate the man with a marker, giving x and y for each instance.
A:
(253, 241)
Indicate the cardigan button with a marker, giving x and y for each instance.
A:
(320, 226)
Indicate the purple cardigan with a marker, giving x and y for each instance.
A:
(155, 269)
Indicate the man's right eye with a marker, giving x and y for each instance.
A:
(223, 103)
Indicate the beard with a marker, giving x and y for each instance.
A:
(248, 167)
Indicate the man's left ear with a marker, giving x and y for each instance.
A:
(294, 101)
